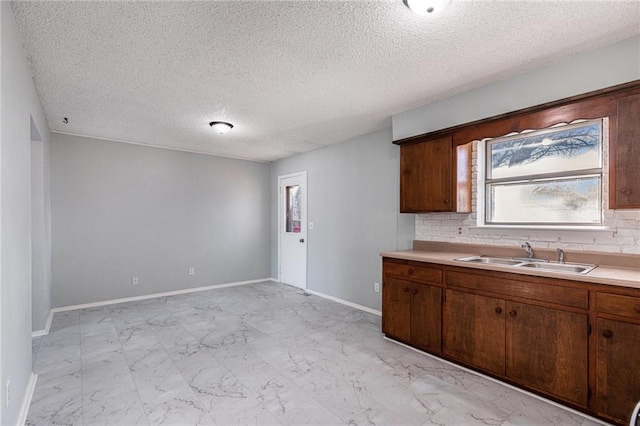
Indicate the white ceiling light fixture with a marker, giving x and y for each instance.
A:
(426, 7)
(221, 127)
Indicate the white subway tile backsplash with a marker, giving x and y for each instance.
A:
(626, 214)
(625, 223)
(631, 249)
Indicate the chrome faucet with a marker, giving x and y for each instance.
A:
(560, 255)
(528, 249)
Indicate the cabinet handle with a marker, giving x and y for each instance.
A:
(414, 291)
(607, 334)
(637, 309)
(512, 313)
(410, 271)
(446, 201)
(626, 191)
(406, 289)
(498, 310)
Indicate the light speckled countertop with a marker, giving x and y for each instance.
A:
(603, 274)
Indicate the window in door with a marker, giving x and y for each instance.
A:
(293, 210)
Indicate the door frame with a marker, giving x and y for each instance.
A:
(303, 174)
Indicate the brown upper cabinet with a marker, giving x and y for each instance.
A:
(625, 154)
(435, 168)
(433, 179)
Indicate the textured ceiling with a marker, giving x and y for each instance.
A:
(291, 76)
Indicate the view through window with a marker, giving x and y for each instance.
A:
(547, 177)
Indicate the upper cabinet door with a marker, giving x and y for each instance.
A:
(426, 176)
(625, 154)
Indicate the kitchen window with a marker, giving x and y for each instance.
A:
(551, 177)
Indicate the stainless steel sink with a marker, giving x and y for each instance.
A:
(490, 260)
(543, 265)
(573, 268)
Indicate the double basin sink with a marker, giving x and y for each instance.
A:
(536, 264)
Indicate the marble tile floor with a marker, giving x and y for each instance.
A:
(263, 354)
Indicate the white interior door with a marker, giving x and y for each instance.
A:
(292, 224)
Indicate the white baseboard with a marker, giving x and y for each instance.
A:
(345, 302)
(336, 299)
(47, 326)
(541, 398)
(156, 295)
(26, 400)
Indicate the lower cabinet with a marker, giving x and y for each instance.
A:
(547, 350)
(413, 313)
(617, 341)
(396, 305)
(426, 317)
(618, 369)
(533, 332)
(474, 330)
(542, 348)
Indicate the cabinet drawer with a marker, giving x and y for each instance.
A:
(575, 297)
(625, 306)
(418, 273)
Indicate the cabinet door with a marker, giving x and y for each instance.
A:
(547, 350)
(426, 317)
(626, 149)
(426, 178)
(618, 372)
(474, 330)
(396, 300)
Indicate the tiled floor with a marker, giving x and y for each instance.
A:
(255, 354)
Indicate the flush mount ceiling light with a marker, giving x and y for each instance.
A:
(221, 127)
(426, 7)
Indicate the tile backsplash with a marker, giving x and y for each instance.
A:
(622, 233)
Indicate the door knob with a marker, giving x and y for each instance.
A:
(607, 334)
(302, 240)
(626, 191)
(498, 310)
(406, 289)
(513, 313)
(414, 291)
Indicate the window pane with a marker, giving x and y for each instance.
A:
(563, 149)
(293, 209)
(558, 201)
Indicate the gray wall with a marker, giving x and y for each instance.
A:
(19, 105)
(40, 231)
(353, 202)
(580, 73)
(122, 210)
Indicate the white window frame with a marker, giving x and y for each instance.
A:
(483, 182)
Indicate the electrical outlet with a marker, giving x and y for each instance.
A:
(376, 287)
(192, 271)
(7, 394)
(134, 280)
